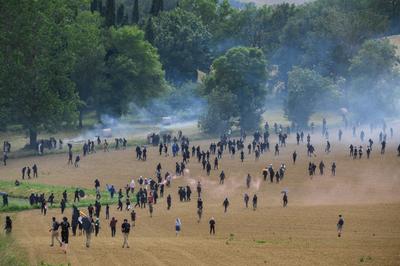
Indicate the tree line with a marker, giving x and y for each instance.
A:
(60, 59)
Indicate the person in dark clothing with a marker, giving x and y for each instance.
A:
(113, 225)
(62, 206)
(107, 212)
(5, 158)
(51, 199)
(340, 225)
(23, 172)
(246, 199)
(5, 199)
(222, 177)
(125, 228)
(76, 195)
(96, 226)
(77, 159)
(120, 205)
(285, 199)
(65, 233)
(188, 193)
(212, 226)
(199, 209)
(74, 219)
(64, 194)
(198, 189)
(8, 225)
(169, 202)
(254, 202)
(294, 157)
(70, 157)
(35, 170)
(225, 204)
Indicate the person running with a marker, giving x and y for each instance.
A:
(199, 209)
(212, 226)
(321, 168)
(96, 226)
(285, 199)
(333, 169)
(169, 201)
(125, 228)
(339, 225)
(8, 225)
(225, 204)
(198, 189)
(294, 156)
(178, 225)
(254, 202)
(248, 180)
(54, 231)
(65, 233)
(107, 212)
(113, 225)
(222, 177)
(246, 199)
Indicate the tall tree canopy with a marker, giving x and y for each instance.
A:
(86, 43)
(182, 41)
(37, 64)
(242, 72)
(374, 80)
(307, 91)
(133, 72)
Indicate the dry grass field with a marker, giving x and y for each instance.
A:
(365, 192)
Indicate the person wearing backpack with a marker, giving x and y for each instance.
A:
(54, 232)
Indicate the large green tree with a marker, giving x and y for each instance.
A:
(135, 12)
(86, 43)
(133, 72)
(156, 7)
(374, 80)
(182, 41)
(242, 71)
(206, 10)
(37, 64)
(307, 91)
(110, 13)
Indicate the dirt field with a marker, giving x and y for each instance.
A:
(365, 192)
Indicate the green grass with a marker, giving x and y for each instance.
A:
(9, 253)
(18, 195)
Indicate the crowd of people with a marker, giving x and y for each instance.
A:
(150, 189)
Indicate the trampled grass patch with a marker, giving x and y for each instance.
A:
(19, 195)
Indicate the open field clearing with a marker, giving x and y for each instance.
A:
(364, 191)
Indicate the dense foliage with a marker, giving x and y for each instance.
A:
(240, 76)
(60, 59)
